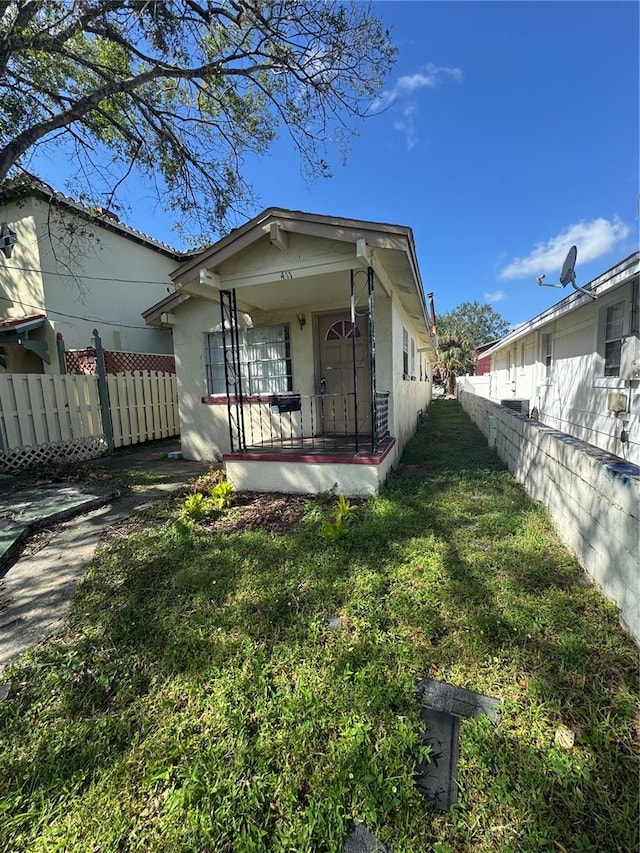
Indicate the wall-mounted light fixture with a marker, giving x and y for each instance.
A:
(302, 320)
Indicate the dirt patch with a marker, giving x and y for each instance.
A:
(277, 514)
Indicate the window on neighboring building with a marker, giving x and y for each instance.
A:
(413, 359)
(265, 361)
(522, 354)
(613, 335)
(547, 354)
(405, 352)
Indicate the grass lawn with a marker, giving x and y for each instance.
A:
(198, 700)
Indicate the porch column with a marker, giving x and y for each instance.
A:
(372, 352)
(232, 370)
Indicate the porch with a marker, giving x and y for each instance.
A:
(307, 443)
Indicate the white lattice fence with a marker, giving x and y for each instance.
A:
(144, 406)
(47, 418)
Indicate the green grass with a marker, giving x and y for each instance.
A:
(199, 702)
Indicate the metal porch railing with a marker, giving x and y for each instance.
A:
(315, 423)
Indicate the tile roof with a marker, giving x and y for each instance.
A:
(12, 323)
(23, 183)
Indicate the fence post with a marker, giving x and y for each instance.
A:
(62, 360)
(103, 391)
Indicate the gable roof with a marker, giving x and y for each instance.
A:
(372, 238)
(606, 281)
(23, 184)
(376, 234)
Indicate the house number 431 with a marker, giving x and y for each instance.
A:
(286, 274)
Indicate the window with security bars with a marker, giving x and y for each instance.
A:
(265, 361)
(613, 335)
(405, 353)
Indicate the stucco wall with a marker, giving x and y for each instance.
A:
(593, 496)
(135, 277)
(574, 398)
(21, 288)
(205, 433)
(410, 395)
(91, 277)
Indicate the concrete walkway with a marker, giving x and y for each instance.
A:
(37, 588)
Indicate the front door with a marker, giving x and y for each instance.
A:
(336, 336)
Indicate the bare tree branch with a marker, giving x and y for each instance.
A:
(181, 91)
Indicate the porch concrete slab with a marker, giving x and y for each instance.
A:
(360, 840)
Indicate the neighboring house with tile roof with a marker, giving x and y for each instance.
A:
(65, 268)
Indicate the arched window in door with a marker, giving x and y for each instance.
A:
(343, 329)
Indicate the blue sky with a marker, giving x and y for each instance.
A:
(507, 132)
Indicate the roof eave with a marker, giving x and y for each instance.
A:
(612, 278)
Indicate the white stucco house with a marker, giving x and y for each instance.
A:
(576, 366)
(67, 269)
(304, 350)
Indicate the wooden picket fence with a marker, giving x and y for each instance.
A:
(56, 418)
(143, 405)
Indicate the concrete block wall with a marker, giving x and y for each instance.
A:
(593, 496)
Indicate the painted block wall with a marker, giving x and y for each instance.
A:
(592, 496)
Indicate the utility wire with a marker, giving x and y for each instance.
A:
(88, 277)
(77, 317)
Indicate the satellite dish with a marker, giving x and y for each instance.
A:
(568, 274)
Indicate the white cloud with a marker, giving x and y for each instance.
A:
(429, 77)
(593, 239)
(496, 296)
(407, 87)
(407, 125)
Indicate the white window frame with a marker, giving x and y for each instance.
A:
(603, 379)
(251, 368)
(613, 339)
(546, 357)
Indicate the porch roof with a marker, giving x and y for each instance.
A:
(287, 280)
(12, 325)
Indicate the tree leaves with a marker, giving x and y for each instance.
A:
(475, 323)
(182, 91)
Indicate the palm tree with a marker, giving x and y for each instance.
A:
(455, 358)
